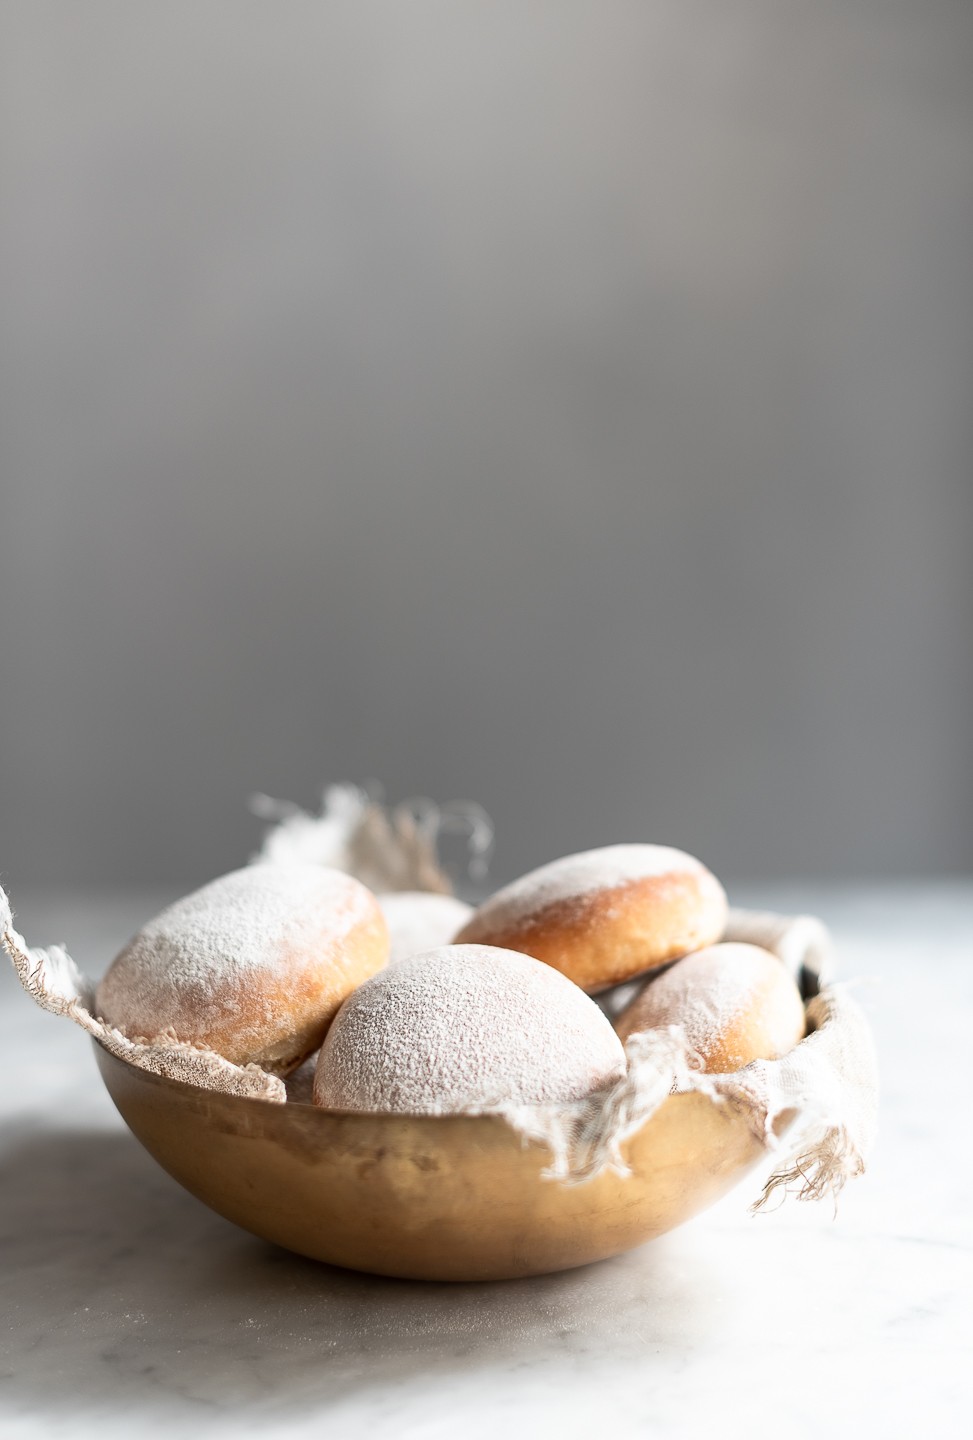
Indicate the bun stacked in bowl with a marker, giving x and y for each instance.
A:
(267, 964)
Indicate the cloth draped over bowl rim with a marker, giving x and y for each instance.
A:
(828, 1083)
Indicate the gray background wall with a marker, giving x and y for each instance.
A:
(564, 405)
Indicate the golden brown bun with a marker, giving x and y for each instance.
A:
(605, 915)
(736, 1003)
(253, 965)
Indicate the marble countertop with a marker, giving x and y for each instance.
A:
(130, 1308)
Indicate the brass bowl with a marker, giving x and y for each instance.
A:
(453, 1197)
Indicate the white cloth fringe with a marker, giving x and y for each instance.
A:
(386, 848)
(827, 1086)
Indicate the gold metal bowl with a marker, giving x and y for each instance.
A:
(453, 1197)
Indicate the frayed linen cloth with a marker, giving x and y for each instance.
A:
(52, 979)
(387, 848)
(828, 1083)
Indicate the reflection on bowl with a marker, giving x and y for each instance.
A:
(453, 1197)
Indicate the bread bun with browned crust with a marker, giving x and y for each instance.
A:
(735, 1003)
(252, 966)
(605, 915)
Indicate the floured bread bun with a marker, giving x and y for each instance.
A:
(253, 965)
(421, 920)
(735, 1002)
(465, 1027)
(605, 915)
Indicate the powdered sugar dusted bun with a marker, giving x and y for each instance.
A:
(605, 915)
(253, 965)
(421, 920)
(736, 1003)
(465, 1027)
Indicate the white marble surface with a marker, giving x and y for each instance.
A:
(129, 1308)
